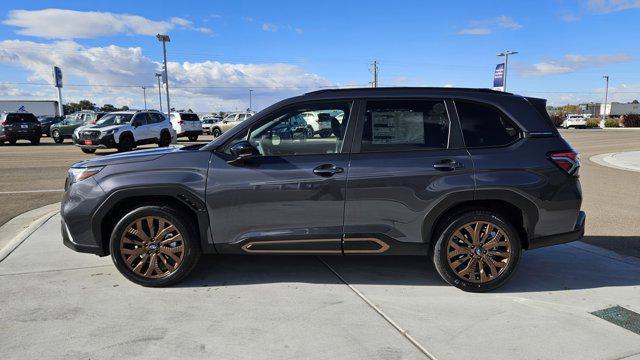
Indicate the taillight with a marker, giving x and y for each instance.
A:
(568, 161)
(180, 122)
(4, 123)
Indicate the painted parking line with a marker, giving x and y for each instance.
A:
(402, 331)
(30, 191)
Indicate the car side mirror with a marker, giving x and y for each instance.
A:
(241, 151)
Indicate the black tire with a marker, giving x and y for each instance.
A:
(88, 151)
(193, 137)
(216, 132)
(126, 143)
(12, 141)
(35, 141)
(443, 250)
(165, 139)
(190, 247)
(57, 137)
(324, 134)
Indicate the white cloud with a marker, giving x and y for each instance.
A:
(475, 31)
(269, 27)
(486, 27)
(72, 24)
(199, 85)
(570, 63)
(608, 6)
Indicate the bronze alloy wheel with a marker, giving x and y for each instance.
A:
(479, 251)
(152, 247)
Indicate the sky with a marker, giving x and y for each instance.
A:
(220, 49)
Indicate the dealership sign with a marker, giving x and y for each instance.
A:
(57, 77)
(498, 77)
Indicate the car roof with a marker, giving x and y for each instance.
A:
(395, 90)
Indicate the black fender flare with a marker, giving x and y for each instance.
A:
(529, 209)
(178, 193)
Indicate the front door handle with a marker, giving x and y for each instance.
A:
(327, 170)
(447, 165)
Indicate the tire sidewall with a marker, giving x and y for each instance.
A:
(440, 250)
(185, 227)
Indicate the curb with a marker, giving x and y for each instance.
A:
(609, 160)
(15, 231)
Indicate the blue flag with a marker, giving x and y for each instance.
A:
(498, 76)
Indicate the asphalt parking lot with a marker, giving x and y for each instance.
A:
(69, 305)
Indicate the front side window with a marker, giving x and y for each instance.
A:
(398, 125)
(290, 134)
(485, 126)
(113, 119)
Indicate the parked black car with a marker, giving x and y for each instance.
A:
(47, 121)
(19, 126)
(468, 177)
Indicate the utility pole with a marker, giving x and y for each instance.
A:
(606, 99)
(250, 91)
(158, 76)
(375, 75)
(144, 92)
(506, 63)
(165, 39)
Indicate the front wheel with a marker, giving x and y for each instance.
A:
(154, 246)
(88, 151)
(57, 137)
(477, 250)
(193, 137)
(216, 132)
(126, 143)
(35, 141)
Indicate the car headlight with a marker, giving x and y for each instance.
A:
(79, 174)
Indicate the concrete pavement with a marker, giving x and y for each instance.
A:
(628, 160)
(61, 304)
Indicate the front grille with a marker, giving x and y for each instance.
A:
(89, 135)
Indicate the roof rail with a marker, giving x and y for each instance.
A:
(417, 88)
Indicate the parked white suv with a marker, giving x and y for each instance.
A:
(186, 124)
(575, 120)
(124, 130)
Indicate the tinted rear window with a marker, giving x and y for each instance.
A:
(189, 117)
(484, 126)
(18, 117)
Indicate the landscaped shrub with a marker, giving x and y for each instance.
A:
(631, 120)
(557, 120)
(592, 124)
(611, 123)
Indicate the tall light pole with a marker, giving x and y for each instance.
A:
(250, 91)
(165, 39)
(606, 98)
(144, 92)
(158, 75)
(506, 63)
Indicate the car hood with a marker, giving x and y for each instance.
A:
(128, 157)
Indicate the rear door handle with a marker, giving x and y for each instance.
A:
(447, 165)
(327, 170)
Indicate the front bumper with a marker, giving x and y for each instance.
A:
(576, 234)
(104, 142)
(68, 241)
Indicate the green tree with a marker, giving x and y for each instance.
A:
(108, 108)
(86, 105)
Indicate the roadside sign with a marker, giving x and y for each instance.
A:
(57, 77)
(498, 77)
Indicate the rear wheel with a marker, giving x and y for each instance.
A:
(88, 151)
(57, 137)
(477, 250)
(35, 141)
(193, 137)
(154, 246)
(12, 141)
(165, 139)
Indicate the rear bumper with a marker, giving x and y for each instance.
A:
(190, 133)
(556, 239)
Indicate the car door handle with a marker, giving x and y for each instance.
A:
(447, 165)
(327, 170)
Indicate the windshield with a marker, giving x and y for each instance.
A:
(114, 119)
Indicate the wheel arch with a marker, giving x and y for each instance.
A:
(521, 212)
(126, 133)
(121, 201)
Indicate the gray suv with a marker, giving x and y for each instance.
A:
(467, 177)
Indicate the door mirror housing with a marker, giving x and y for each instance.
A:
(241, 151)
